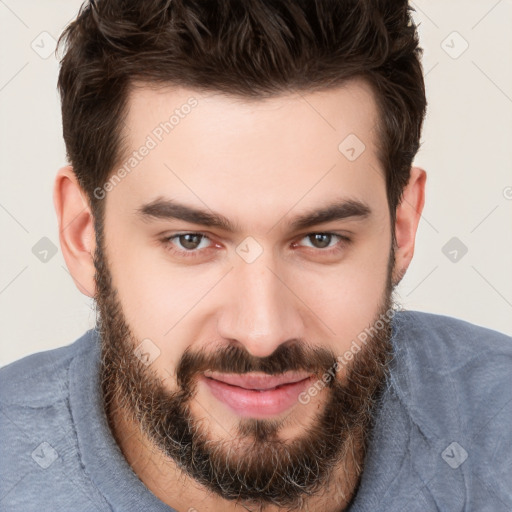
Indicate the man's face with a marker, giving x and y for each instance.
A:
(234, 327)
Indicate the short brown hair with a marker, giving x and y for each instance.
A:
(248, 48)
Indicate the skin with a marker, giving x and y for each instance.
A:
(271, 160)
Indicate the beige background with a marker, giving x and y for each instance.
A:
(466, 151)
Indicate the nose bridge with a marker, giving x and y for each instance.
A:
(261, 312)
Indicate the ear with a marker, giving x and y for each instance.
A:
(76, 229)
(408, 215)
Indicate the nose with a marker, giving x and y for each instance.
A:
(261, 312)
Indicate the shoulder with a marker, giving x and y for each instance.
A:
(446, 357)
(444, 344)
(40, 379)
(39, 447)
(450, 329)
(452, 375)
(454, 380)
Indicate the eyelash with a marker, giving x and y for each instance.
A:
(193, 253)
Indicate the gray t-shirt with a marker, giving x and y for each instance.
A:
(442, 439)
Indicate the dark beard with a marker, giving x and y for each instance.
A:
(256, 468)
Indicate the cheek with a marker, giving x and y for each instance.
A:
(161, 301)
(348, 297)
(174, 306)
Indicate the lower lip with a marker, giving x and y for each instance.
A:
(257, 404)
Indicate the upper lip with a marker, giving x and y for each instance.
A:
(257, 380)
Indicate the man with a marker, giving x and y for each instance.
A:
(241, 203)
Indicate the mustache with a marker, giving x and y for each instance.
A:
(235, 359)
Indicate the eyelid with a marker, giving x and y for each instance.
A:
(167, 242)
(169, 239)
(343, 240)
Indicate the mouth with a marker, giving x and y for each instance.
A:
(257, 395)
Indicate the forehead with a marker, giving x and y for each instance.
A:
(348, 108)
(210, 149)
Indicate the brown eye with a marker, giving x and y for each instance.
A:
(187, 244)
(190, 241)
(320, 240)
(325, 243)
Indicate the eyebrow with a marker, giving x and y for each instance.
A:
(168, 209)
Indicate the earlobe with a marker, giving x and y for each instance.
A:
(408, 214)
(76, 229)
